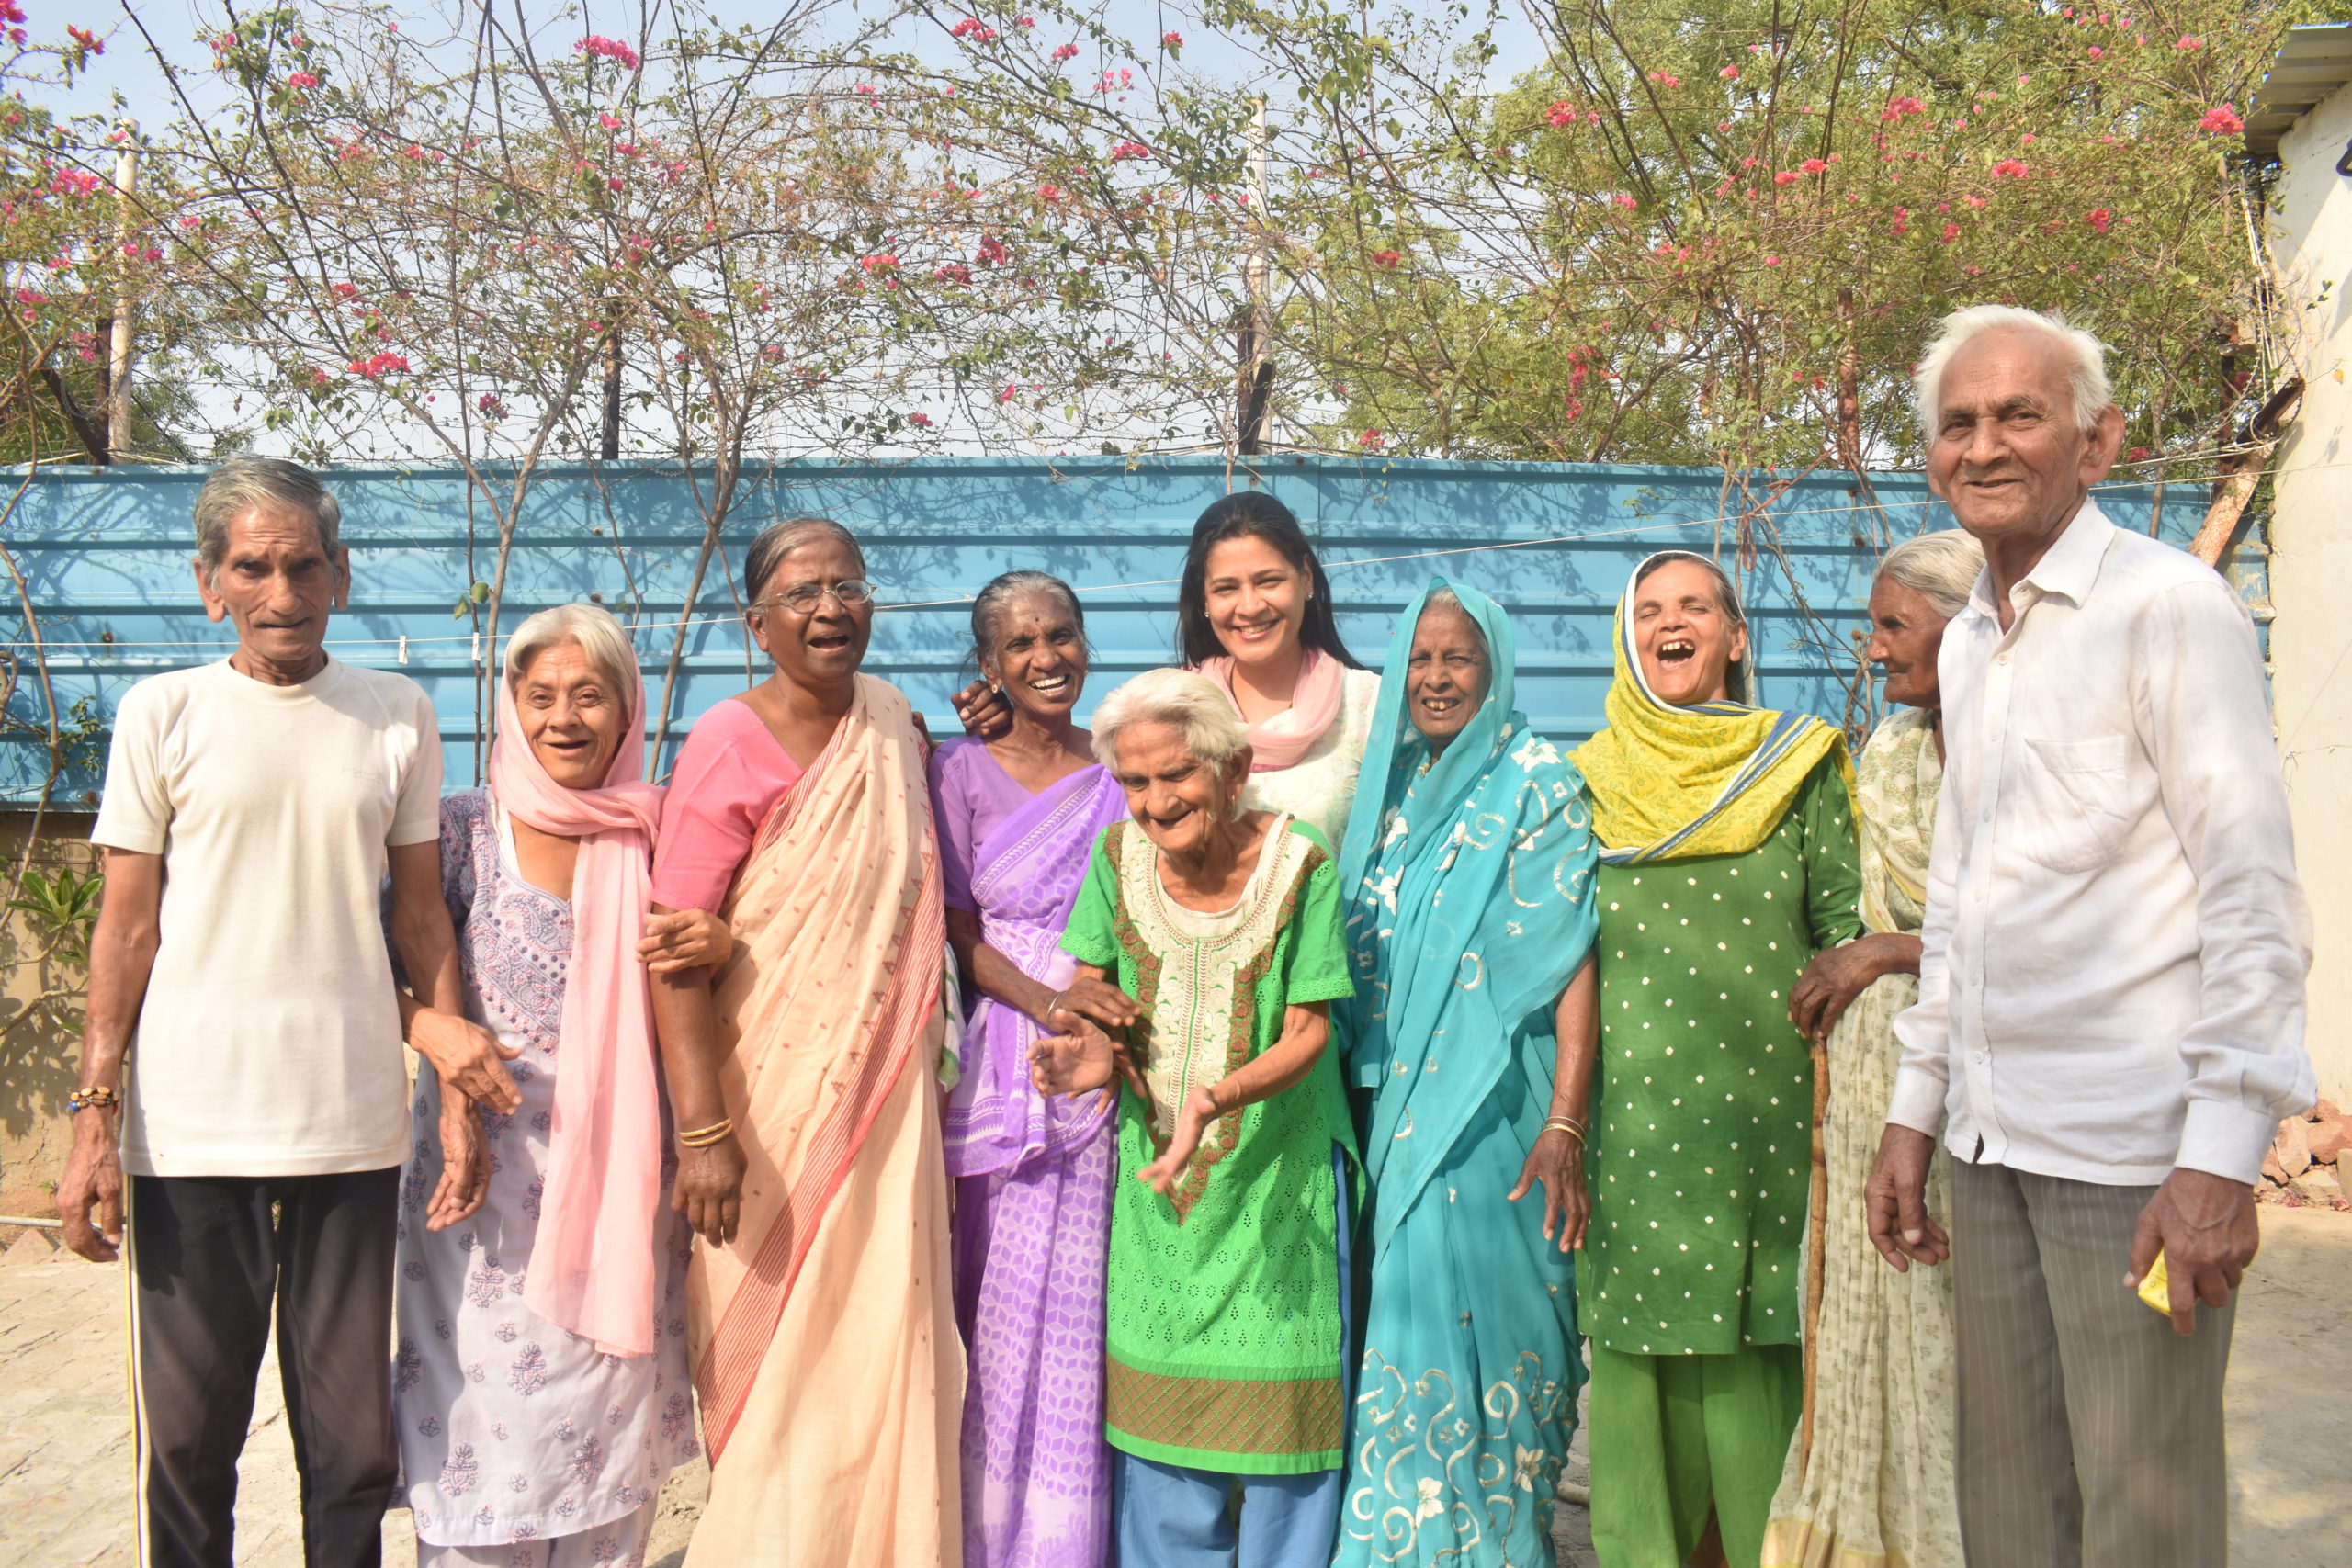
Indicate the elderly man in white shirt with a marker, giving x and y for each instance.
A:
(2111, 1012)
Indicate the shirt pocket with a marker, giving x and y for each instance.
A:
(2070, 805)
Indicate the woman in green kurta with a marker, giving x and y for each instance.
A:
(1224, 1338)
(1728, 860)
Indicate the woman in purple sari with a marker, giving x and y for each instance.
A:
(1017, 819)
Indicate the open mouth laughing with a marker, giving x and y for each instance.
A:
(1673, 652)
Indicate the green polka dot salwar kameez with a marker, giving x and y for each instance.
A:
(1698, 1161)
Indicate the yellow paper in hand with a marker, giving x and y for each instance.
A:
(2157, 1288)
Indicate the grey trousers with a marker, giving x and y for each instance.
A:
(2089, 1433)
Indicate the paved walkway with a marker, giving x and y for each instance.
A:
(65, 1441)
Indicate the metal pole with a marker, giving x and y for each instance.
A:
(1257, 372)
(126, 180)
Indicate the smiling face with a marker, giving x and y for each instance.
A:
(277, 586)
(1256, 600)
(572, 715)
(2006, 452)
(1447, 675)
(1039, 655)
(1686, 640)
(1181, 802)
(1905, 634)
(822, 650)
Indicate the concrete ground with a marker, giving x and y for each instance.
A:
(66, 1483)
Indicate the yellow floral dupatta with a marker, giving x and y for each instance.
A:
(822, 1337)
(1672, 783)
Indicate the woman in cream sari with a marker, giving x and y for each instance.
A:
(818, 1313)
(1875, 1488)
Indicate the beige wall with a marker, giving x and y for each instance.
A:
(38, 1057)
(2310, 565)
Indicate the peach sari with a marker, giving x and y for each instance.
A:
(823, 1338)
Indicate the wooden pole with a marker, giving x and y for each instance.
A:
(1257, 371)
(1817, 1238)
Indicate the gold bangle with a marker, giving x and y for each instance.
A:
(703, 1137)
(1567, 1124)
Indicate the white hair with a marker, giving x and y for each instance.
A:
(2085, 379)
(601, 637)
(1186, 699)
(1941, 567)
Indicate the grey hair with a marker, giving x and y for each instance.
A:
(2086, 382)
(1941, 567)
(604, 639)
(779, 539)
(245, 483)
(1001, 590)
(1185, 698)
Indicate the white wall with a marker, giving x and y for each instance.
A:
(2310, 564)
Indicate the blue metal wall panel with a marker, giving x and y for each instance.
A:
(105, 555)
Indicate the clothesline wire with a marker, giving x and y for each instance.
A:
(405, 642)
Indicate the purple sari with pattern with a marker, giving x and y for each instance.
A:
(1033, 1212)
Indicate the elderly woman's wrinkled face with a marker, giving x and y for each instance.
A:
(1906, 632)
(1447, 674)
(1039, 657)
(823, 643)
(1684, 635)
(1180, 800)
(1256, 600)
(574, 715)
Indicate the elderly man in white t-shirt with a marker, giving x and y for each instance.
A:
(241, 1058)
(2110, 1013)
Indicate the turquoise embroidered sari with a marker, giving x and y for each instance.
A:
(1469, 883)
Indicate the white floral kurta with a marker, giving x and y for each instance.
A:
(512, 1429)
(1878, 1490)
(1320, 786)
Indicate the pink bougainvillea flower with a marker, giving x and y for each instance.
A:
(1372, 440)
(2187, 44)
(1626, 201)
(609, 121)
(953, 272)
(2098, 219)
(301, 81)
(191, 222)
(1772, 260)
(1560, 114)
(1729, 73)
(974, 29)
(1812, 165)
(1897, 108)
(2009, 169)
(920, 421)
(2097, 52)
(1386, 258)
(863, 89)
(377, 366)
(880, 260)
(1902, 221)
(613, 182)
(1171, 40)
(1666, 79)
(1127, 150)
(1067, 51)
(2137, 455)
(1050, 192)
(2221, 121)
(89, 42)
(608, 49)
(992, 251)
(1009, 393)
(1785, 178)
(1952, 233)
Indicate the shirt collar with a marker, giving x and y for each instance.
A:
(2067, 568)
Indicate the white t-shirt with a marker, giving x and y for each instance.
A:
(269, 1042)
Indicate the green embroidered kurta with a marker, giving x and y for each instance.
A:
(1702, 1104)
(1224, 1329)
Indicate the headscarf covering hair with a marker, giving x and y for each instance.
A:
(1468, 882)
(1713, 778)
(593, 1265)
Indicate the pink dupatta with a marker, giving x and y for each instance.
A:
(1283, 741)
(593, 1265)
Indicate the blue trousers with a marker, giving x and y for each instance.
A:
(1172, 1518)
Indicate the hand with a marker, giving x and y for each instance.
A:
(465, 1164)
(468, 1057)
(1097, 1000)
(984, 711)
(684, 939)
(2206, 1225)
(1557, 1161)
(1192, 1117)
(93, 1175)
(1073, 1062)
(1895, 1200)
(710, 1190)
(1835, 976)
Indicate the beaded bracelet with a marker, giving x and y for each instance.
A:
(97, 1097)
(703, 1137)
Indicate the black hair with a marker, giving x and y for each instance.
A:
(1727, 597)
(778, 540)
(1002, 590)
(1252, 514)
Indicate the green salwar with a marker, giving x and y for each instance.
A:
(1674, 1435)
(1701, 1149)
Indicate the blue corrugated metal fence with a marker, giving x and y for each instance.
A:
(105, 558)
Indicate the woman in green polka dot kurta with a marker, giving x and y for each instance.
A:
(1690, 1288)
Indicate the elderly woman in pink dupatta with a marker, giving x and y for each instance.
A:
(540, 1388)
(817, 1302)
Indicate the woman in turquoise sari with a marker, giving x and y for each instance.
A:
(1470, 928)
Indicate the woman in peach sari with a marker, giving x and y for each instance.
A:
(819, 1317)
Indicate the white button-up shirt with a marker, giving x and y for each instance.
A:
(2112, 981)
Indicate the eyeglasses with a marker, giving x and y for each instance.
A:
(802, 598)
